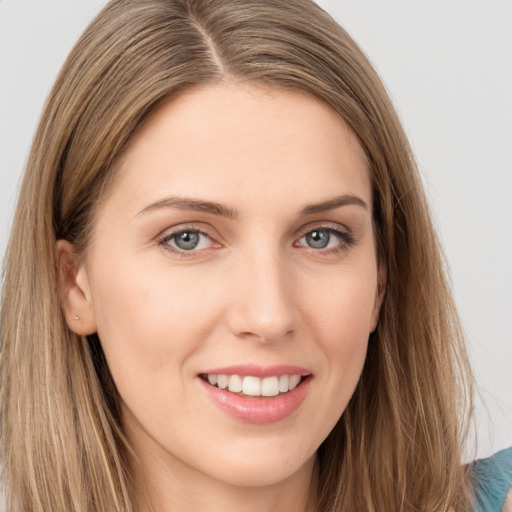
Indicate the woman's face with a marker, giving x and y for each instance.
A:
(235, 249)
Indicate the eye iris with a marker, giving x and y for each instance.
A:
(318, 239)
(187, 240)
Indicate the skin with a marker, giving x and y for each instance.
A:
(254, 291)
(507, 507)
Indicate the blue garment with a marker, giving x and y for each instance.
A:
(492, 479)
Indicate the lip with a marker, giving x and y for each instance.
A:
(258, 410)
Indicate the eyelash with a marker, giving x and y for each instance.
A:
(163, 241)
(346, 240)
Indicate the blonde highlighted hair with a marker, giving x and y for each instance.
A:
(398, 444)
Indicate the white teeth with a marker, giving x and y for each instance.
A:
(222, 381)
(294, 381)
(283, 383)
(235, 384)
(270, 386)
(254, 386)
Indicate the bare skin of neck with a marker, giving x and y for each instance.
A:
(168, 492)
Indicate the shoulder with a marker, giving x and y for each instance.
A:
(492, 481)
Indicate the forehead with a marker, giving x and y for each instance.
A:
(235, 142)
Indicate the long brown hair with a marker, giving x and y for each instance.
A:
(398, 444)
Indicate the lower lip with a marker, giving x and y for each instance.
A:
(258, 410)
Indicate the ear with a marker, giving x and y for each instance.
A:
(379, 296)
(74, 290)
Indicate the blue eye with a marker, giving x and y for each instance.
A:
(318, 239)
(187, 240)
(325, 238)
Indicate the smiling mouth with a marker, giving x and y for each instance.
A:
(251, 386)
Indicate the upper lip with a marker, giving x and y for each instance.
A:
(255, 370)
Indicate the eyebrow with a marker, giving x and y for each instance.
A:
(196, 205)
(333, 203)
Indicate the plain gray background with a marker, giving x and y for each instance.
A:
(448, 67)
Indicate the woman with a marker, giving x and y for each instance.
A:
(223, 289)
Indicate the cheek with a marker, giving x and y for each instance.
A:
(341, 303)
(148, 320)
(346, 328)
(150, 324)
(340, 319)
(144, 296)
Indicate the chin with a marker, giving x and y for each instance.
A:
(264, 468)
(256, 476)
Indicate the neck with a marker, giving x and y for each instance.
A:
(186, 491)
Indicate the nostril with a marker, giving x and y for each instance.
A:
(266, 336)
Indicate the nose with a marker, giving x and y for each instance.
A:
(263, 305)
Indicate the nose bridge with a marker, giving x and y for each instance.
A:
(264, 306)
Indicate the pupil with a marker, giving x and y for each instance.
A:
(187, 240)
(317, 239)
